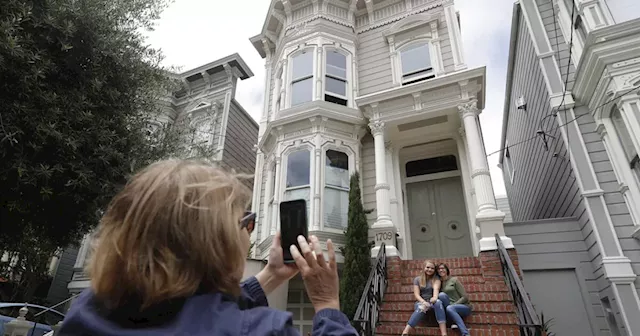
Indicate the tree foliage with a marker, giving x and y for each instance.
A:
(77, 86)
(356, 251)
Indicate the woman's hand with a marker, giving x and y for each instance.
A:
(433, 300)
(276, 272)
(320, 277)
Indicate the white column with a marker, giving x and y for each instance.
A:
(466, 183)
(319, 77)
(276, 196)
(383, 229)
(317, 187)
(489, 218)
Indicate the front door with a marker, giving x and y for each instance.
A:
(438, 219)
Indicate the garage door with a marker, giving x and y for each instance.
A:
(556, 293)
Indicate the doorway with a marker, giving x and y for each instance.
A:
(437, 212)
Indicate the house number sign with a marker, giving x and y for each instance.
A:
(385, 237)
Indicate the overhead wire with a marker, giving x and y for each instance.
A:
(568, 122)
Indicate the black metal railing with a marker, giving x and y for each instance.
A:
(366, 316)
(528, 320)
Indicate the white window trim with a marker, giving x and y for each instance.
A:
(405, 46)
(270, 193)
(508, 163)
(629, 182)
(314, 73)
(300, 306)
(283, 179)
(396, 44)
(321, 166)
(348, 75)
(566, 27)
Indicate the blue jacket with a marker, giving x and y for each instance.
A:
(199, 315)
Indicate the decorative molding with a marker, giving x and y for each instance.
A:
(469, 108)
(377, 127)
(373, 24)
(481, 171)
(382, 186)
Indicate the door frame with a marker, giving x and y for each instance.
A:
(434, 149)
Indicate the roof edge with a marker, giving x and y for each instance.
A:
(513, 40)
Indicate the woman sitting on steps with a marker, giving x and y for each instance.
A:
(454, 299)
(425, 289)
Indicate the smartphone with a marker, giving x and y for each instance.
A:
(293, 223)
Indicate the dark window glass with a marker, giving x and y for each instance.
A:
(431, 166)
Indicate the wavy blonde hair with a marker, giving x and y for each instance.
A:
(423, 275)
(171, 232)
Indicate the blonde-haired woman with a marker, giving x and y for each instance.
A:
(170, 252)
(426, 287)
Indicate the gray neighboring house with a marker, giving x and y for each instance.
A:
(570, 161)
(208, 101)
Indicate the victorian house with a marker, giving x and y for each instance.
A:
(206, 103)
(571, 138)
(380, 87)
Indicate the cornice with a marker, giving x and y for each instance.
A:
(398, 17)
(605, 47)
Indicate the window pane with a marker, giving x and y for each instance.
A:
(623, 133)
(300, 193)
(302, 65)
(336, 208)
(302, 91)
(337, 64)
(336, 86)
(415, 58)
(273, 181)
(336, 169)
(431, 166)
(298, 165)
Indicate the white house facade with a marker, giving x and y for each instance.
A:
(379, 87)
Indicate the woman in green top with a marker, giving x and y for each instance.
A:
(454, 299)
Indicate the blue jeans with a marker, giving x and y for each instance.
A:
(456, 312)
(417, 315)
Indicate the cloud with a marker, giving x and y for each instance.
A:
(196, 32)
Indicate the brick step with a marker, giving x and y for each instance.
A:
(462, 262)
(396, 329)
(408, 280)
(476, 318)
(474, 297)
(480, 307)
(407, 271)
(492, 286)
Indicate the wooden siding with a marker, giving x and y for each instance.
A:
(544, 184)
(64, 272)
(240, 139)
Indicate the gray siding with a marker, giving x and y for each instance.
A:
(558, 244)
(58, 290)
(241, 136)
(558, 44)
(374, 61)
(503, 205)
(544, 184)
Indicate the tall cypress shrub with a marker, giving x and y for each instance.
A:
(356, 252)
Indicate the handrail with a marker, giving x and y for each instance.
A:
(528, 320)
(366, 316)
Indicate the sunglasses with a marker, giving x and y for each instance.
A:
(248, 221)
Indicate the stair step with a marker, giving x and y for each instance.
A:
(488, 307)
(474, 297)
(487, 287)
(475, 318)
(453, 263)
(408, 280)
(454, 272)
(476, 330)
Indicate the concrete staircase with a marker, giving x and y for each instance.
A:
(493, 310)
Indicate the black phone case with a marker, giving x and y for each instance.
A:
(289, 208)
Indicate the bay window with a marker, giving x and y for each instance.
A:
(415, 60)
(302, 78)
(626, 140)
(336, 78)
(299, 177)
(336, 190)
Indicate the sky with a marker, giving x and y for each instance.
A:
(191, 33)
